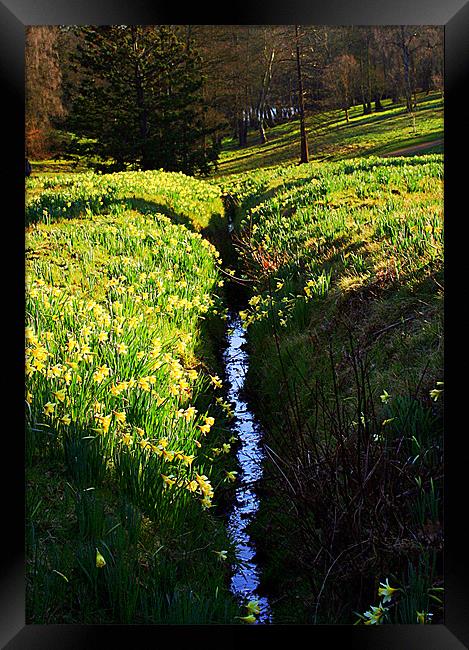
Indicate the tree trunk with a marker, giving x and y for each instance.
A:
(243, 131)
(264, 90)
(366, 110)
(304, 141)
(406, 63)
(368, 75)
(262, 134)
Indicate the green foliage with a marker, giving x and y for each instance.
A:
(122, 409)
(346, 264)
(66, 196)
(139, 101)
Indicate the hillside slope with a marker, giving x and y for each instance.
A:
(345, 328)
(331, 138)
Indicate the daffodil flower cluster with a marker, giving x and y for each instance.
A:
(110, 343)
(262, 307)
(91, 193)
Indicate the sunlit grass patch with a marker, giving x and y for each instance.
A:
(331, 138)
(185, 199)
(122, 408)
(345, 329)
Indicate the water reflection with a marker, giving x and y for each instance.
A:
(245, 580)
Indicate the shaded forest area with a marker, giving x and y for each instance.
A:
(165, 96)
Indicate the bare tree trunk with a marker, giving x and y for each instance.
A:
(368, 74)
(304, 142)
(264, 90)
(362, 87)
(406, 63)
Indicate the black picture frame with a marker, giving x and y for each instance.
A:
(15, 15)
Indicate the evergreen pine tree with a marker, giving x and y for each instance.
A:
(140, 99)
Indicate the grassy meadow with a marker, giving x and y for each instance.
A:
(345, 326)
(331, 138)
(130, 454)
(124, 405)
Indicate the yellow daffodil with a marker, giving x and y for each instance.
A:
(127, 439)
(386, 590)
(29, 334)
(375, 615)
(247, 619)
(253, 607)
(120, 416)
(435, 394)
(105, 421)
(206, 502)
(192, 486)
(216, 381)
(100, 561)
(222, 555)
(71, 345)
(144, 384)
(49, 408)
(169, 482)
(189, 413)
(424, 617)
(60, 395)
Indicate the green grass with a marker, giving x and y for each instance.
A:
(186, 200)
(345, 261)
(369, 227)
(331, 138)
(122, 410)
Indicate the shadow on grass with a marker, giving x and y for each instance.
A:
(144, 206)
(62, 208)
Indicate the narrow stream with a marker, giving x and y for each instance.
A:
(245, 581)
